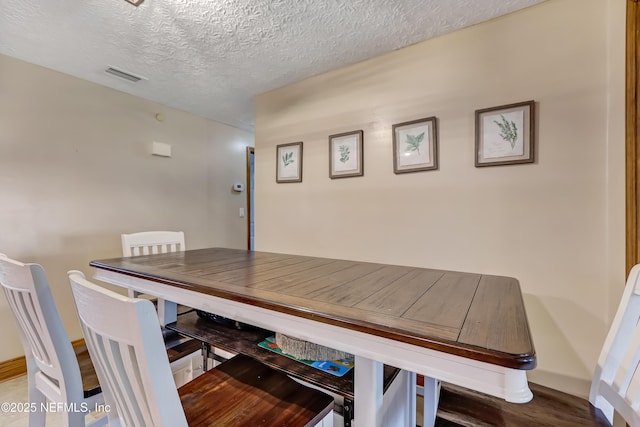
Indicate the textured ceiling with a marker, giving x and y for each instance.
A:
(211, 57)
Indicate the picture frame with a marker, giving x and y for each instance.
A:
(415, 145)
(346, 154)
(289, 162)
(505, 135)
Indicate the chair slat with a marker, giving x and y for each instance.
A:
(13, 299)
(123, 383)
(131, 371)
(104, 361)
(31, 326)
(35, 325)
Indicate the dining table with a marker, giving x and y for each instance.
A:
(464, 328)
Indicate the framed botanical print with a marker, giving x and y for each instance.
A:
(346, 154)
(289, 162)
(415, 146)
(506, 134)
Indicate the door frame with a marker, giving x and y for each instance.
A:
(250, 152)
(632, 168)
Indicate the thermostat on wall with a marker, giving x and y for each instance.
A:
(238, 187)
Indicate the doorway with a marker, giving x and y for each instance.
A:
(250, 192)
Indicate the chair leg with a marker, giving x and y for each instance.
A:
(98, 412)
(74, 418)
(38, 413)
(102, 421)
(327, 421)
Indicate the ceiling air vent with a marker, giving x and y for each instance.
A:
(124, 75)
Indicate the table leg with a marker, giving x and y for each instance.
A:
(399, 402)
(431, 397)
(167, 311)
(411, 398)
(368, 392)
(517, 386)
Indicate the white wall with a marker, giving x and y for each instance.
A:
(76, 172)
(556, 225)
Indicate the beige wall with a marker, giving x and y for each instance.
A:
(556, 225)
(76, 172)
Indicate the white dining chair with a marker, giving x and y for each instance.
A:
(615, 385)
(162, 242)
(55, 374)
(150, 243)
(134, 371)
(616, 381)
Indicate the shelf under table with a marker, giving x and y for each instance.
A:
(246, 342)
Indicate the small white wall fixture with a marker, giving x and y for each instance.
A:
(161, 149)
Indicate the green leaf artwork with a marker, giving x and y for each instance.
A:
(344, 153)
(508, 131)
(287, 158)
(413, 142)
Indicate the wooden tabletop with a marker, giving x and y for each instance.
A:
(476, 316)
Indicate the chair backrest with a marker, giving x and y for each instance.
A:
(616, 381)
(125, 342)
(51, 361)
(152, 242)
